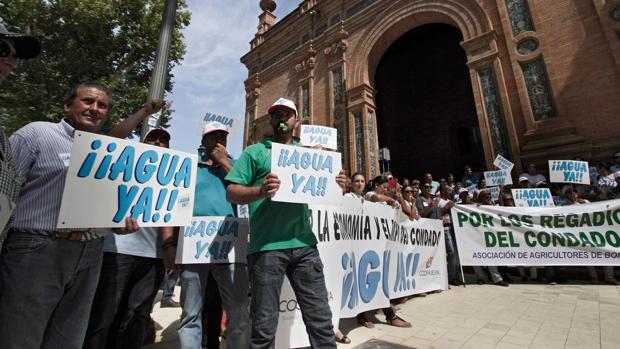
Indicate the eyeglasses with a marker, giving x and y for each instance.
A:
(408, 191)
(7, 49)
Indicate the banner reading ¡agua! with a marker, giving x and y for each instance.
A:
(371, 253)
(586, 234)
(110, 178)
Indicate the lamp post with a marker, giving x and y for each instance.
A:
(160, 70)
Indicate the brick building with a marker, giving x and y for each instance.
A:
(443, 83)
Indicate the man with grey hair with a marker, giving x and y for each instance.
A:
(64, 265)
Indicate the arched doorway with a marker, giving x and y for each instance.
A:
(426, 114)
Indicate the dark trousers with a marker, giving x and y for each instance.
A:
(47, 290)
(212, 312)
(304, 269)
(125, 294)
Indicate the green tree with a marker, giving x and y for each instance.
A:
(110, 41)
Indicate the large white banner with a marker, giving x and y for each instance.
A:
(567, 235)
(371, 253)
(213, 240)
(109, 179)
(306, 175)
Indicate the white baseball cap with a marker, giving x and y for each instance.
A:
(211, 126)
(283, 103)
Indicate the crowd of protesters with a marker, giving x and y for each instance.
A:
(92, 288)
(434, 199)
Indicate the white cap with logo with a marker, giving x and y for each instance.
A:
(211, 126)
(283, 103)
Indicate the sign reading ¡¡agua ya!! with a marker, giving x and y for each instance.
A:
(110, 178)
(213, 240)
(586, 234)
(371, 253)
(306, 175)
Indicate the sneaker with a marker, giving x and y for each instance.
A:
(170, 304)
(502, 283)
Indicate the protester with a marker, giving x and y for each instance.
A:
(532, 175)
(231, 278)
(615, 166)
(428, 179)
(484, 198)
(282, 242)
(358, 183)
(410, 203)
(426, 203)
(13, 47)
(471, 178)
(131, 273)
(444, 205)
(64, 264)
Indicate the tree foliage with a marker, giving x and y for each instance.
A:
(110, 41)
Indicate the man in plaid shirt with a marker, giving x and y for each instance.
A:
(13, 47)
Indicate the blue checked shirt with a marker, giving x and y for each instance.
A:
(40, 152)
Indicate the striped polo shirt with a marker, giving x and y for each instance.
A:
(41, 153)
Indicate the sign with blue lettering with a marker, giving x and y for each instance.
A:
(306, 175)
(495, 178)
(313, 135)
(110, 178)
(494, 192)
(502, 163)
(533, 197)
(569, 171)
(213, 240)
(235, 127)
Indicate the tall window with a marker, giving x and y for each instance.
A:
(337, 85)
(305, 100)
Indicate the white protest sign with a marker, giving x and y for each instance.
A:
(587, 234)
(312, 135)
(235, 126)
(495, 178)
(502, 163)
(306, 175)
(494, 192)
(534, 197)
(213, 240)
(6, 208)
(569, 171)
(109, 179)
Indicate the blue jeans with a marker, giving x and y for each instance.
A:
(170, 281)
(232, 280)
(47, 290)
(304, 269)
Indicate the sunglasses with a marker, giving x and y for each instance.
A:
(7, 49)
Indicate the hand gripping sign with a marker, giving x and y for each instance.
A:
(306, 175)
(110, 178)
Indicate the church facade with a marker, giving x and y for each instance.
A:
(443, 81)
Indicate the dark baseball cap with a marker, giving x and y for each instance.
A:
(26, 46)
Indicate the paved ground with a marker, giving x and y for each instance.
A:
(483, 316)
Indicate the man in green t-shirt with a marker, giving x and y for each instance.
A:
(281, 240)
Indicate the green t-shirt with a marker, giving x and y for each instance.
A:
(273, 225)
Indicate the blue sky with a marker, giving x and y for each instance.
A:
(210, 79)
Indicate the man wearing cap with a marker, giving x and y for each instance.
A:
(131, 273)
(532, 175)
(13, 46)
(63, 264)
(281, 242)
(231, 278)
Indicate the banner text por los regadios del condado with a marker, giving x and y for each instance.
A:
(587, 236)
